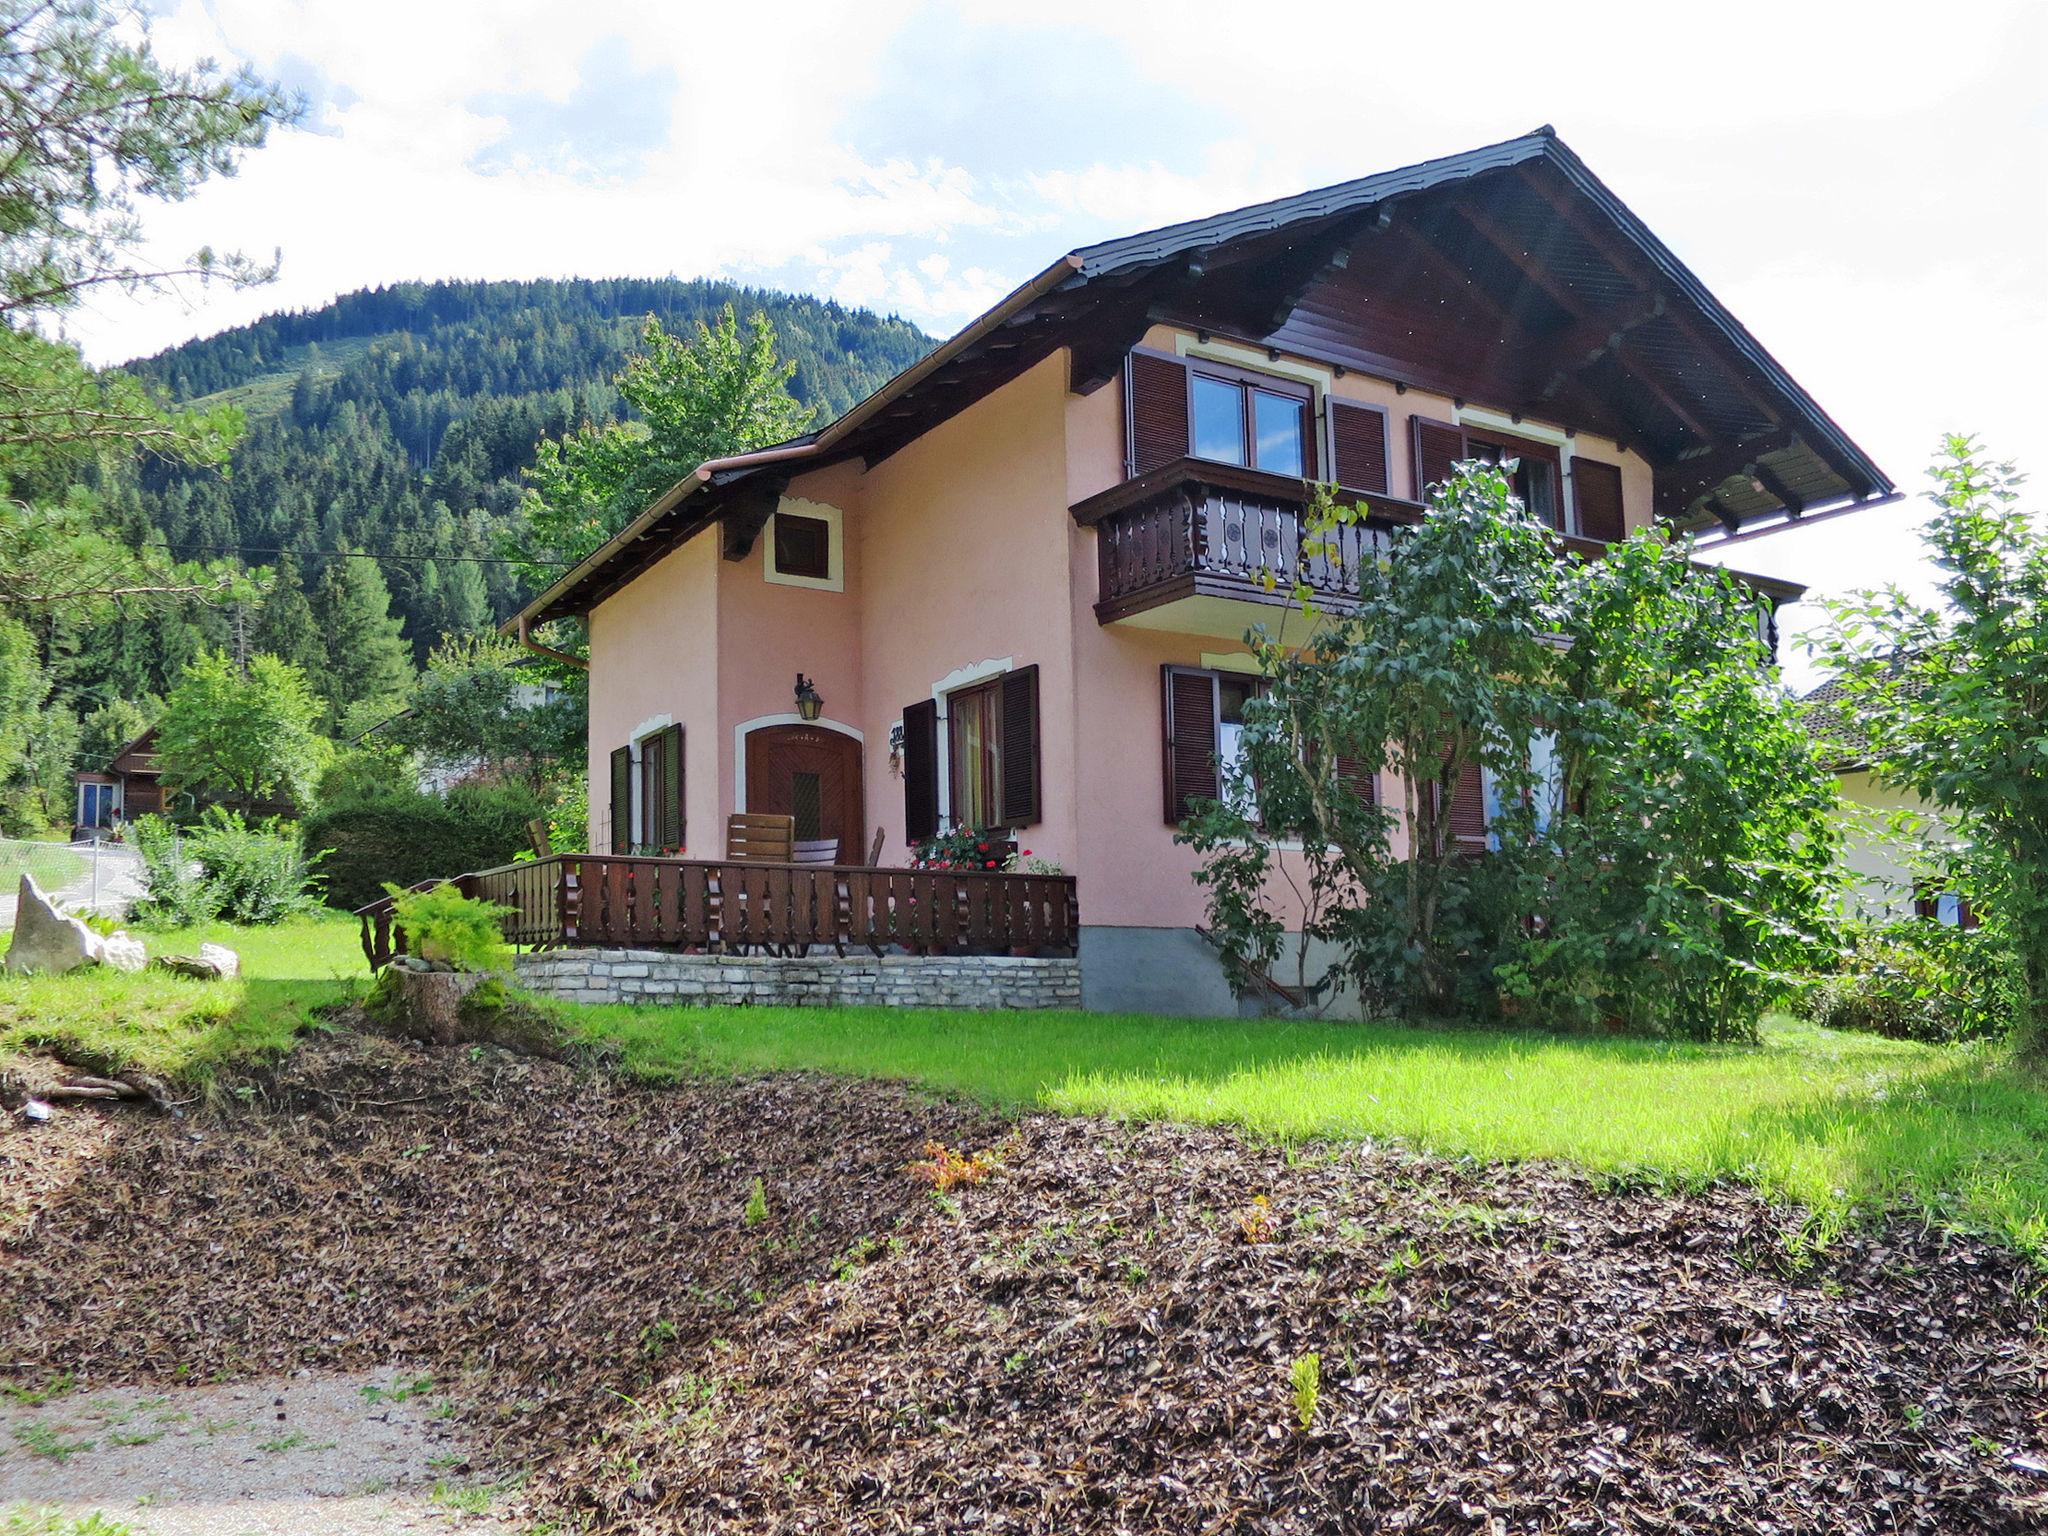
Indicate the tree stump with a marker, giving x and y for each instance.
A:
(427, 1005)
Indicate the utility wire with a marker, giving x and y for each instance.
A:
(362, 554)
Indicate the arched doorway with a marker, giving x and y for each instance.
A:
(812, 774)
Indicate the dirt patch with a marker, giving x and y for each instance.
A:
(547, 1236)
(336, 1454)
(1106, 1335)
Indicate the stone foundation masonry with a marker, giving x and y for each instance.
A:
(817, 981)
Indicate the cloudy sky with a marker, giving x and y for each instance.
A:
(1869, 195)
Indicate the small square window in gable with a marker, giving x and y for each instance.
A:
(803, 546)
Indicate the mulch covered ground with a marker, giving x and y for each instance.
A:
(1089, 1340)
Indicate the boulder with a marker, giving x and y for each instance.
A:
(123, 952)
(44, 938)
(225, 961)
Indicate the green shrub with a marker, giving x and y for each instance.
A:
(1920, 980)
(441, 923)
(222, 867)
(406, 837)
(177, 896)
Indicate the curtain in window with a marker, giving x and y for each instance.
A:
(971, 723)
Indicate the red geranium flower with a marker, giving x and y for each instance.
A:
(991, 863)
(981, 847)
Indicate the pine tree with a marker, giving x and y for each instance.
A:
(465, 604)
(285, 626)
(367, 659)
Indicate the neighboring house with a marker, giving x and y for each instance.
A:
(1891, 838)
(1015, 581)
(126, 788)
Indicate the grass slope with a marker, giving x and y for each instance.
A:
(173, 1027)
(1844, 1124)
(268, 394)
(1847, 1125)
(52, 865)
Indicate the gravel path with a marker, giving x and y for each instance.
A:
(339, 1454)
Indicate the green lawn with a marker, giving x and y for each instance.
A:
(173, 1027)
(53, 865)
(1844, 1124)
(1841, 1123)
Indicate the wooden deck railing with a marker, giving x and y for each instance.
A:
(684, 904)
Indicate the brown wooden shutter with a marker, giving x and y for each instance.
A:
(672, 788)
(1358, 446)
(1359, 779)
(1190, 739)
(622, 800)
(1156, 403)
(1596, 494)
(1438, 446)
(921, 769)
(1019, 751)
(1468, 810)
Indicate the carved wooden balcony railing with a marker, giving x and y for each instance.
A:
(1197, 529)
(688, 904)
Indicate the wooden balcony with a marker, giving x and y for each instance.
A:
(1185, 546)
(610, 902)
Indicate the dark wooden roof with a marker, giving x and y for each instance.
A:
(1509, 274)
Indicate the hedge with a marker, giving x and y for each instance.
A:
(413, 837)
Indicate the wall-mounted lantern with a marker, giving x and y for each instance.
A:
(809, 703)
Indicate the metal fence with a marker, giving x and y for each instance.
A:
(92, 876)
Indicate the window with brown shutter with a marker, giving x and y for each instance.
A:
(622, 800)
(1191, 728)
(1596, 498)
(1156, 409)
(1359, 779)
(1437, 447)
(661, 790)
(1358, 446)
(921, 769)
(1467, 825)
(1019, 747)
(1535, 478)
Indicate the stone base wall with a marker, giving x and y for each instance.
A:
(817, 981)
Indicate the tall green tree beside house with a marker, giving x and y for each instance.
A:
(1951, 700)
(368, 664)
(699, 397)
(242, 736)
(1608, 809)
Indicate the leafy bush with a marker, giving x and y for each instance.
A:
(177, 896)
(1617, 818)
(1921, 980)
(223, 867)
(443, 924)
(406, 837)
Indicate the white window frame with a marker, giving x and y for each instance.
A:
(834, 579)
(953, 682)
(654, 725)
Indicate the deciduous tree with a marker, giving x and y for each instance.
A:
(1951, 699)
(696, 398)
(244, 738)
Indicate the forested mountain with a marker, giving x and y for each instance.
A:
(397, 420)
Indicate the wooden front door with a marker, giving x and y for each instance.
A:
(812, 775)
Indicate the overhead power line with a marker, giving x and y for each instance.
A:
(364, 554)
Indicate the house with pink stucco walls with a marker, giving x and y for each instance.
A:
(1009, 591)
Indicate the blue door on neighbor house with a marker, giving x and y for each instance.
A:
(97, 804)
